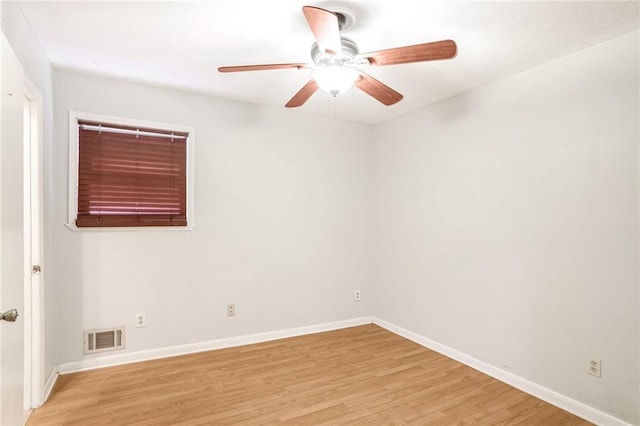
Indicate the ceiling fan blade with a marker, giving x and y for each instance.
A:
(325, 28)
(303, 95)
(444, 49)
(264, 67)
(377, 90)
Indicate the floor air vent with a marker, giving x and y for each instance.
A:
(103, 340)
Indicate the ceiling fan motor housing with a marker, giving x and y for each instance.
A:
(347, 56)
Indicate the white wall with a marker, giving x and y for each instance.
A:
(281, 206)
(506, 224)
(38, 70)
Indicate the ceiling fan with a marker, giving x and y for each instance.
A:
(337, 63)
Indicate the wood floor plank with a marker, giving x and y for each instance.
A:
(360, 375)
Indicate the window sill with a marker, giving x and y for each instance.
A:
(73, 227)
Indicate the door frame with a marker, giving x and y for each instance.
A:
(33, 249)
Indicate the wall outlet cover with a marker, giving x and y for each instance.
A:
(595, 367)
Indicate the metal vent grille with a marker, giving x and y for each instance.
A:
(108, 339)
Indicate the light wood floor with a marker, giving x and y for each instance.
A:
(360, 375)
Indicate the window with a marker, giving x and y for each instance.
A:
(129, 175)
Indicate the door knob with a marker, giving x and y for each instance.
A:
(10, 316)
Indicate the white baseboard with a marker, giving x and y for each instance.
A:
(25, 416)
(147, 355)
(51, 382)
(559, 400)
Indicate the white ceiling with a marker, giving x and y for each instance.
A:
(181, 44)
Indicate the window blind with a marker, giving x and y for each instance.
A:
(129, 176)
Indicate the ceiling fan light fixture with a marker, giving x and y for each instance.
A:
(335, 79)
(337, 60)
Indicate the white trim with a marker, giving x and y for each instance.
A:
(552, 397)
(27, 142)
(74, 116)
(127, 358)
(51, 382)
(25, 416)
(73, 227)
(34, 295)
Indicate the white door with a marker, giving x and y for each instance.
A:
(11, 237)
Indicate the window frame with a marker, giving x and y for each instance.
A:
(74, 134)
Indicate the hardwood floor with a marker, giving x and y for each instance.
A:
(360, 375)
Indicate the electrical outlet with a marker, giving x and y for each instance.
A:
(231, 310)
(356, 295)
(595, 367)
(141, 320)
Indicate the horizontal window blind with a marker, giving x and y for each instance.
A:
(130, 176)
